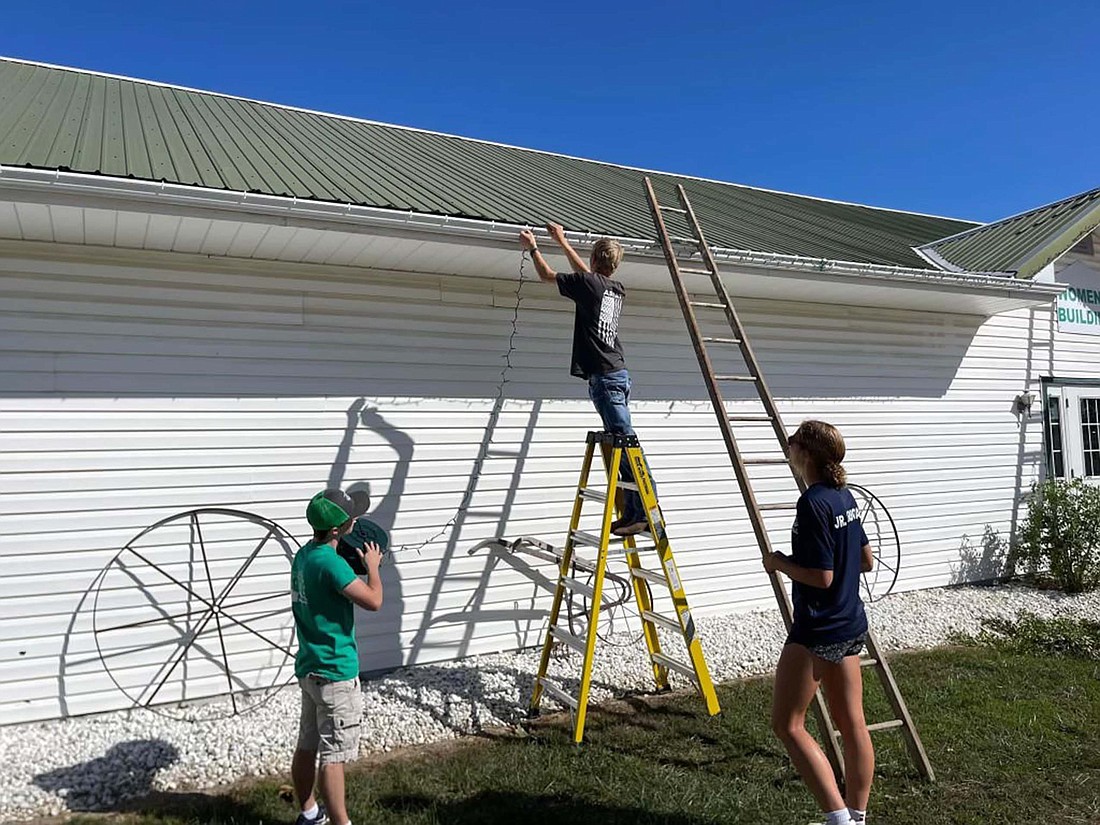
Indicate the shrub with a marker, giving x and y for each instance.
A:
(1033, 635)
(1061, 537)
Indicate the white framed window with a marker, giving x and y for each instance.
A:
(1072, 430)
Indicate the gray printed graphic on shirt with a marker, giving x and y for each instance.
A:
(610, 307)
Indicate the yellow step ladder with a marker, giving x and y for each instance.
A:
(615, 449)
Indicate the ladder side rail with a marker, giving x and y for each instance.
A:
(597, 595)
(743, 482)
(563, 571)
(901, 711)
(738, 329)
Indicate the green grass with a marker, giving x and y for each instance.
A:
(1014, 738)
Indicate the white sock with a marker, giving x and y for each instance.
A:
(841, 817)
(857, 816)
(312, 812)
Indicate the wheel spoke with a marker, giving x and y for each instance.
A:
(170, 577)
(190, 613)
(217, 617)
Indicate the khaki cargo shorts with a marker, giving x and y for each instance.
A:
(332, 716)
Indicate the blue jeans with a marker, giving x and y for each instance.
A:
(610, 394)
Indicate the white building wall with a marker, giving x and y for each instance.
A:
(132, 391)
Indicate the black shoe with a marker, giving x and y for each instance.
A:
(320, 819)
(631, 527)
(617, 523)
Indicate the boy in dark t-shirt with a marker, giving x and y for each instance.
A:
(597, 353)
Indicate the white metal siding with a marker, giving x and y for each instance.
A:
(128, 393)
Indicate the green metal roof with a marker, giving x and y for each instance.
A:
(1022, 244)
(55, 118)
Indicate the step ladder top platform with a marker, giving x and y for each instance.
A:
(612, 439)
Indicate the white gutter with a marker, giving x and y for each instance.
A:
(171, 198)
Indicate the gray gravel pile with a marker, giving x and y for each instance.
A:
(93, 763)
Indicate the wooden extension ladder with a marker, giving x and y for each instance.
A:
(717, 300)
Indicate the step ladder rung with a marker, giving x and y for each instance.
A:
(765, 461)
(673, 664)
(586, 539)
(581, 563)
(570, 583)
(687, 270)
(592, 494)
(746, 378)
(707, 305)
(746, 417)
(710, 339)
(684, 239)
(673, 209)
(649, 575)
(559, 694)
(665, 621)
(769, 507)
(627, 485)
(575, 642)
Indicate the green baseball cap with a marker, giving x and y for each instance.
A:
(331, 508)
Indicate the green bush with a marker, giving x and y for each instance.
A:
(1061, 537)
(1033, 635)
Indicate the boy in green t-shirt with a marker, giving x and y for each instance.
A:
(323, 589)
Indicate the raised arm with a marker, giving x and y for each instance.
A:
(578, 263)
(527, 241)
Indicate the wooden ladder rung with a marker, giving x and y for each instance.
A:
(710, 339)
(893, 723)
(750, 417)
(707, 305)
(765, 461)
(735, 378)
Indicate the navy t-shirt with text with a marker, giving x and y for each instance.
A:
(828, 535)
(599, 300)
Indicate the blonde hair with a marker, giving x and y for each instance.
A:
(825, 446)
(607, 254)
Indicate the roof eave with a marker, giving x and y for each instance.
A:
(177, 199)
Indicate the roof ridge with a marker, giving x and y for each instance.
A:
(1001, 222)
(484, 141)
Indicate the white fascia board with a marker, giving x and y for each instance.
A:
(175, 199)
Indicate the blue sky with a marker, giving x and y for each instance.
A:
(968, 109)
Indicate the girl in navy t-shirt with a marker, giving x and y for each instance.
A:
(829, 550)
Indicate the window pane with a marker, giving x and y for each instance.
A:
(1090, 435)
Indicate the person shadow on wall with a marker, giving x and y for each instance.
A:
(379, 634)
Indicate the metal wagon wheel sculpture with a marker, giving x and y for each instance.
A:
(197, 606)
(882, 533)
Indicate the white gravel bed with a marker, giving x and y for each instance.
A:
(93, 763)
